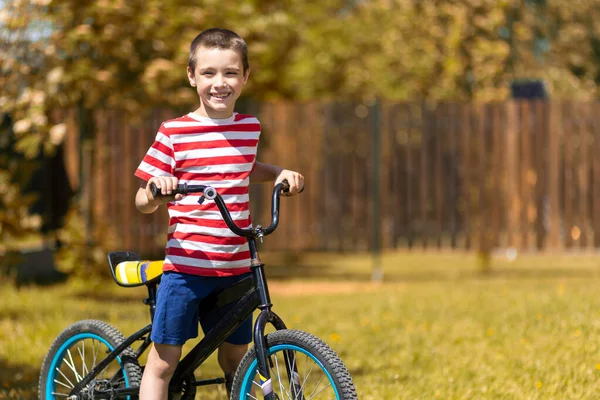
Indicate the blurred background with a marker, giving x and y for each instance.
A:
(467, 128)
(418, 124)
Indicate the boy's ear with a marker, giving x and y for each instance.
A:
(191, 78)
(245, 76)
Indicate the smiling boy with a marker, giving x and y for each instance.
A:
(215, 146)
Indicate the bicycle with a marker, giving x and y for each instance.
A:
(74, 368)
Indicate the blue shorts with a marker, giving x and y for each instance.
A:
(177, 312)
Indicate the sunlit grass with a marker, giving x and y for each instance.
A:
(436, 327)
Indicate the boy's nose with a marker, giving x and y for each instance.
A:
(220, 82)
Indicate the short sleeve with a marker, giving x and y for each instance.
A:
(160, 159)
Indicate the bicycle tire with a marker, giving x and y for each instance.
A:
(314, 350)
(69, 350)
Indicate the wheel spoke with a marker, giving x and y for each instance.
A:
(95, 352)
(307, 375)
(323, 389)
(72, 366)
(62, 384)
(60, 394)
(292, 370)
(64, 376)
(278, 374)
(81, 352)
(316, 386)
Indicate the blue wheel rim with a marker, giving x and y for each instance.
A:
(58, 357)
(247, 382)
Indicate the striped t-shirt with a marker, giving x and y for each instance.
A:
(204, 151)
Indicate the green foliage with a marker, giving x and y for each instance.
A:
(83, 253)
(15, 219)
(132, 55)
(16, 222)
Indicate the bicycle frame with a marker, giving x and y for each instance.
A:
(256, 297)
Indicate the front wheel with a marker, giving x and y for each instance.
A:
(76, 351)
(302, 367)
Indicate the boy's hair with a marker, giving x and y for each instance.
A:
(219, 38)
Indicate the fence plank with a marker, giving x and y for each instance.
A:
(583, 173)
(595, 109)
(512, 179)
(424, 174)
(453, 135)
(314, 130)
(553, 177)
(497, 187)
(465, 173)
(439, 132)
(385, 192)
(568, 179)
(524, 173)
(396, 204)
(482, 176)
(410, 186)
(540, 154)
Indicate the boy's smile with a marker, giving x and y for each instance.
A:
(219, 78)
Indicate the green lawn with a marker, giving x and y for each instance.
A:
(436, 328)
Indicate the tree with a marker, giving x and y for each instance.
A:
(132, 55)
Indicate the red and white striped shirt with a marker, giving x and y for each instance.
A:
(204, 151)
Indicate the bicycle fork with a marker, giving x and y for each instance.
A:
(264, 359)
(260, 343)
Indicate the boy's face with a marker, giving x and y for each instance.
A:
(219, 78)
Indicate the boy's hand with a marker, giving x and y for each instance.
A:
(295, 180)
(166, 186)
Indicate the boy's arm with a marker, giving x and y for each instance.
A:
(267, 172)
(146, 203)
(264, 172)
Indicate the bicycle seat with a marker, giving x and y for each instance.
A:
(129, 270)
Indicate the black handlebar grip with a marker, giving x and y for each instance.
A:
(285, 186)
(154, 190)
(180, 189)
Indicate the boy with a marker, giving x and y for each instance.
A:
(213, 146)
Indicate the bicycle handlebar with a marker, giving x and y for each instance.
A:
(210, 193)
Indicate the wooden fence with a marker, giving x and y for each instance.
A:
(511, 174)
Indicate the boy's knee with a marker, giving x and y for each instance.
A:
(230, 355)
(163, 360)
(231, 350)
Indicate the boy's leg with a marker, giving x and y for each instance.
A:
(230, 352)
(229, 356)
(175, 321)
(162, 361)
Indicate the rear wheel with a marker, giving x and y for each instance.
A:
(76, 351)
(301, 366)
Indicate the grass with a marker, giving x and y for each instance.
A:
(435, 329)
